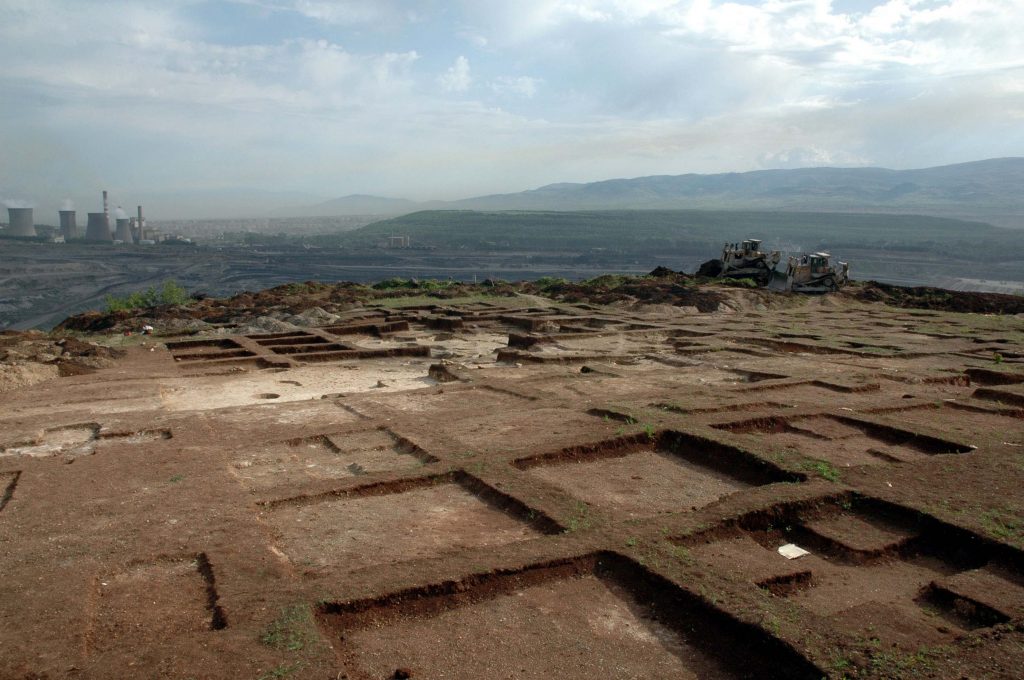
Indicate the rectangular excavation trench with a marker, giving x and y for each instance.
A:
(870, 563)
(960, 419)
(328, 456)
(598, 616)
(135, 612)
(214, 356)
(202, 345)
(80, 439)
(843, 441)
(645, 475)
(8, 483)
(400, 521)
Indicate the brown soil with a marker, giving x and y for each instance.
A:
(606, 502)
(924, 297)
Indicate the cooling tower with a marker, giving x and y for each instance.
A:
(68, 226)
(21, 222)
(98, 229)
(124, 230)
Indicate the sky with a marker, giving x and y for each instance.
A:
(254, 103)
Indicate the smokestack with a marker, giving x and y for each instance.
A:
(106, 210)
(21, 222)
(98, 229)
(124, 230)
(68, 226)
(140, 223)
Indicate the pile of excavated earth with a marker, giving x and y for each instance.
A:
(643, 478)
(31, 357)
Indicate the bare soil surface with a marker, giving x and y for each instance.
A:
(512, 486)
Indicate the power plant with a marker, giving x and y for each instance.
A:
(21, 223)
(68, 226)
(128, 230)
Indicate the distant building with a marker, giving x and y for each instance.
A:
(398, 242)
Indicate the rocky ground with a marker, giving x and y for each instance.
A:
(630, 478)
(31, 357)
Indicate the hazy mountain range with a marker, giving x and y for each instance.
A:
(988, 190)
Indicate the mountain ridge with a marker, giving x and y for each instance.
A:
(985, 190)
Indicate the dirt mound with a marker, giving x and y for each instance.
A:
(710, 269)
(317, 304)
(940, 299)
(31, 357)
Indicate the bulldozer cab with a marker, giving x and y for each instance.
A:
(819, 262)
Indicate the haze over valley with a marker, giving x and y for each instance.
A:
(282, 141)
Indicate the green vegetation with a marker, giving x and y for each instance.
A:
(682, 554)
(425, 285)
(740, 283)
(898, 664)
(579, 519)
(281, 671)
(825, 470)
(292, 631)
(1004, 525)
(169, 293)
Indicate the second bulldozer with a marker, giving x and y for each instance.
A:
(812, 273)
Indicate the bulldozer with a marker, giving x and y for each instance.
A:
(812, 273)
(743, 261)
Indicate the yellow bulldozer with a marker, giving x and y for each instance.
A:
(813, 273)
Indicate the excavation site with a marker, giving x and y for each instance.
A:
(333, 481)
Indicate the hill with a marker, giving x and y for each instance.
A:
(655, 231)
(986, 191)
(983, 190)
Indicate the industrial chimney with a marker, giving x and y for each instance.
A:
(68, 226)
(98, 229)
(140, 225)
(106, 210)
(21, 222)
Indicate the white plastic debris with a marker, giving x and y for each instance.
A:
(791, 551)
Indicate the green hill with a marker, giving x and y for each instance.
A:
(644, 232)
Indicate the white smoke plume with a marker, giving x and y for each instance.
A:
(17, 203)
(67, 204)
(119, 213)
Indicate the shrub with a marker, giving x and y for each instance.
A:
(169, 293)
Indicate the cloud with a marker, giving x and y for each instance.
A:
(519, 86)
(804, 157)
(457, 77)
(357, 97)
(338, 12)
